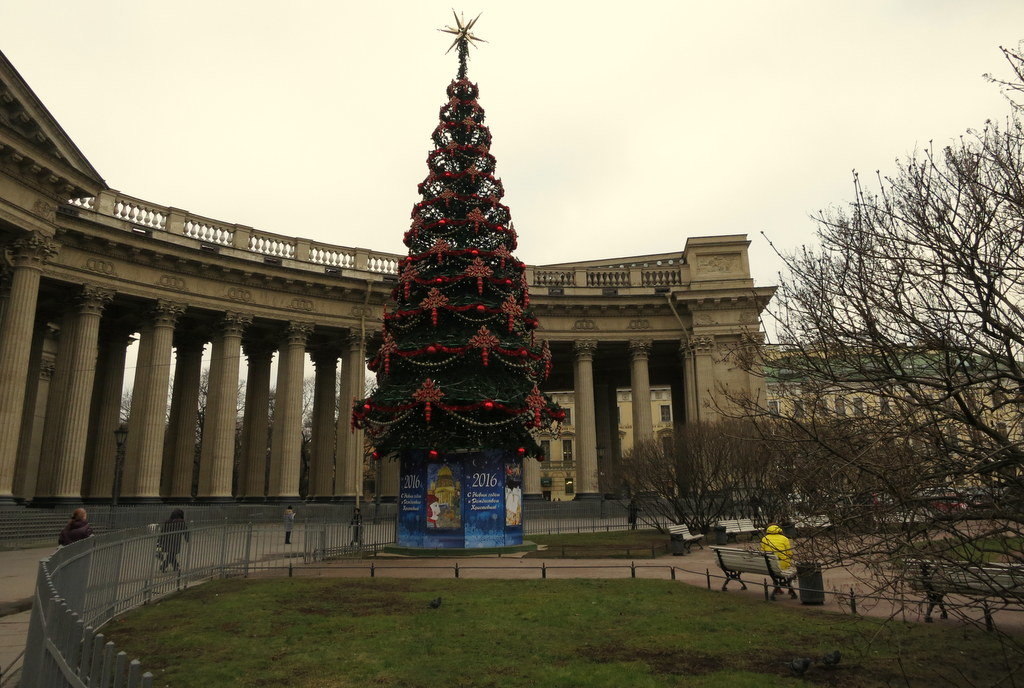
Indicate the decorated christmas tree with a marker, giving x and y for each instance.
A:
(458, 364)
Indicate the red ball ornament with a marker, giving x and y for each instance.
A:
(433, 454)
(474, 252)
(508, 283)
(524, 352)
(521, 451)
(540, 458)
(439, 280)
(375, 454)
(442, 221)
(481, 308)
(488, 404)
(367, 406)
(431, 349)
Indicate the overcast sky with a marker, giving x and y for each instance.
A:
(617, 131)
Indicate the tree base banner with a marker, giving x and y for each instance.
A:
(460, 500)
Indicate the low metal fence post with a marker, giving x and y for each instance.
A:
(853, 602)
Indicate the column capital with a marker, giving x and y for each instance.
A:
(640, 348)
(585, 348)
(33, 250)
(166, 313)
(93, 299)
(298, 332)
(355, 340)
(703, 344)
(325, 356)
(233, 324)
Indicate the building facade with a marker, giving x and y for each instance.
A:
(87, 271)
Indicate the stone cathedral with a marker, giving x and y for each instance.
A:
(87, 271)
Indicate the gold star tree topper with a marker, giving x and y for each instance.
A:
(463, 39)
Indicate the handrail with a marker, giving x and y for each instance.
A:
(159, 221)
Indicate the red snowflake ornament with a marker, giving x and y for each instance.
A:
(428, 393)
(484, 340)
(435, 299)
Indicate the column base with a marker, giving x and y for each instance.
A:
(253, 500)
(284, 500)
(124, 501)
(8, 500)
(320, 500)
(347, 499)
(388, 500)
(51, 502)
(533, 498)
(588, 495)
(214, 500)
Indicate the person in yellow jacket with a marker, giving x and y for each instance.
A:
(774, 541)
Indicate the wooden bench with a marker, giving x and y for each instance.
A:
(812, 522)
(1000, 582)
(681, 533)
(734, 562)
(739, 526)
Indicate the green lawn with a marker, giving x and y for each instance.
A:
(617, 543)
(298, 633)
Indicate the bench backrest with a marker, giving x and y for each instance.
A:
(742, 525)
(993, 580)
(679, 529)
(734, 559)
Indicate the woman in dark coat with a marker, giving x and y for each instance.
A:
(171, 533)
(78, 528)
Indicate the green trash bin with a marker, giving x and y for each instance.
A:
(721, 537)
(809, 580)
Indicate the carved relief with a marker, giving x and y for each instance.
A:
(239, 294)
(301, 304)
(719, 264)
(584, 324)
(172, 282)
(704, 319)
(362, 311)
(41, 207)
(100, 266)
(748, 317)
(639, 324)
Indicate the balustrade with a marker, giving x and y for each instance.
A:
(165, 219)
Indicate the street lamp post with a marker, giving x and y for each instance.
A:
(121, 434)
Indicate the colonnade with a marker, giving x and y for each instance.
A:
(62, 370)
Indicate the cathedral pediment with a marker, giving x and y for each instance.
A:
(34, 149)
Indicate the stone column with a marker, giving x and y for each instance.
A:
(180, 450)
(217, 457)
(67, 479)
(349, 479)
(286, 441)
(28, 256)
(252, 482)
(53, 426)
(640, 383)
(531, 479)
(704, 378)
(321, 465)
(389, 477)
(586, 430)
(108, 414)
(31, 443)
(686, 355)
(149, 404)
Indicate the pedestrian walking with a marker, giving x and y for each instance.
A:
(289, 523)
(77, 528)
(634, 511)
(172, 532)
(357, 525)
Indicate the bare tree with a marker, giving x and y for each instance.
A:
(902, 373)
(706, 472)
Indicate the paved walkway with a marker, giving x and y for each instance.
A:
(18, 570)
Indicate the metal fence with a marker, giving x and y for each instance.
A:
(85, 585)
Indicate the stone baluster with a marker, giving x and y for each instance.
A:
(321, 464)
(216, 460)
(146, 427)
(349, 482)
(110, 381)
(28, 256)
(640, 383)
(66, 486)
(252, 485)
(180, 450)
(286, 441)
(586, 430)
